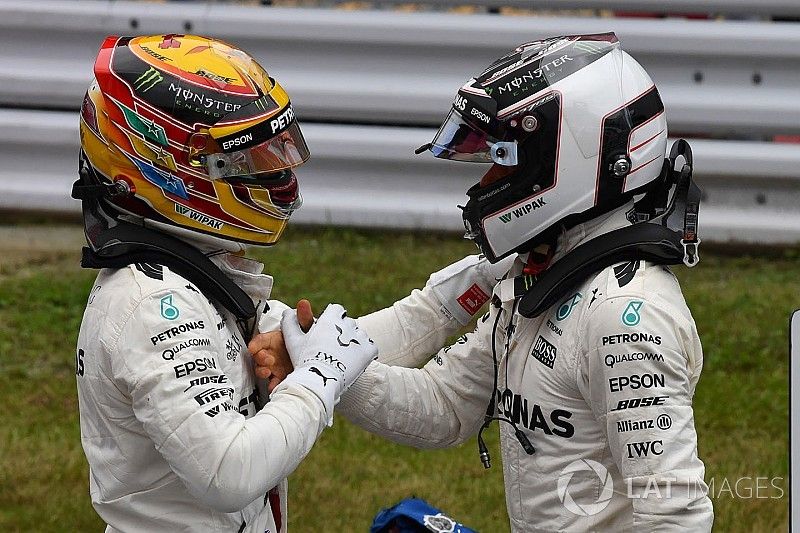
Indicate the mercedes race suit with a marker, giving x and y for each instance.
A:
(601, 384)
(171, 416)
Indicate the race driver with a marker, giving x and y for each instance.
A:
(593, 390)
(187, 155)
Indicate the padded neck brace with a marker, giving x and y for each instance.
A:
(126, 243)
(667, 239)
(650, 242)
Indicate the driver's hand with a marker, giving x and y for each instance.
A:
(269, 350)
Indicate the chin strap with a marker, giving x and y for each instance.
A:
(666, 236)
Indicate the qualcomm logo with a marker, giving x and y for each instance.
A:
(584, 509)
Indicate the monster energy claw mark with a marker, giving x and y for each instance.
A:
(148, 80)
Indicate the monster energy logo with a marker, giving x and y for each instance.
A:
(148, 80)
(264, 104)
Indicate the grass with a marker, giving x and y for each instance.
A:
(741, 306)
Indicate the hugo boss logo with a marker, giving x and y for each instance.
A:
(544, 352)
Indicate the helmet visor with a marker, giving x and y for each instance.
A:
(459, 140)
(286, 150)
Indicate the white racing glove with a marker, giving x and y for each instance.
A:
(330, 357)
(463, 287)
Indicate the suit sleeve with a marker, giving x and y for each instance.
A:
(640, 361)
(439, 405)
(188, 406)
(411, 330)
(416, 327)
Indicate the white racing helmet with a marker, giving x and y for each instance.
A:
(578, 126)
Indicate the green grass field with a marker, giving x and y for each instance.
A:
(741, 306)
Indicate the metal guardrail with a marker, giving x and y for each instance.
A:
(765, 8)
(716, 78)
(395, 74)
(369, 176)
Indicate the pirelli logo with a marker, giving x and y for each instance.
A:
(212, 395)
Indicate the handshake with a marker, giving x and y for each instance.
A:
(325, 355)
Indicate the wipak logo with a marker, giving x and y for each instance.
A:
(522, 211)
(198, 217)
(148, 80)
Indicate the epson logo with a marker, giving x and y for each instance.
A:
(247, 137)
(480, 115)
(201, 364)
(635, 381)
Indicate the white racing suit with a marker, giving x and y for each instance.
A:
(170, 415)
(601, 384)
